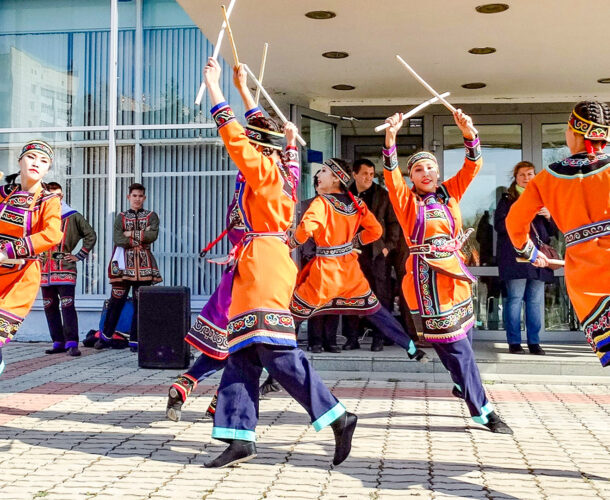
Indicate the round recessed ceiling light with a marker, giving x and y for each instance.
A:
(320, 14)
(343, 86)
(335, 54)
(491, 8)
(603, 80)
(474, 85)
(480, 51)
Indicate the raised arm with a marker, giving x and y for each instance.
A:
(401, 196)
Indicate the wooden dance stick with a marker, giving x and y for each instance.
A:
(553, 262)
(414, 111)
(221, 34)
(261, 73)
(230, 35)
(14, 262)
(425, 84)
(271, 103)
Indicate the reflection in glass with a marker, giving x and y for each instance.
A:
(320, 138)
(501, 149)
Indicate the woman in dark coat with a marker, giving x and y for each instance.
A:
(523, 281)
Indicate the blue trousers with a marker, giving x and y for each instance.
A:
(458, 358)
(205, 367)
(532, 293)
(389, 327)
(237, 409)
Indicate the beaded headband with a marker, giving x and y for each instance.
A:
(39, 146)
(264, 137)
(338, 170)
(417, 157)
(591, 130)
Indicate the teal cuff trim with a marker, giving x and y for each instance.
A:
(457, 386)
(224, 433)
(2, 365)
(412, 349)
(329, 417)
(486, 410)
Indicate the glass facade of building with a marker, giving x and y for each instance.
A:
(111, 85)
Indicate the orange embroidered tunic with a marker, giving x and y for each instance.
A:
(577, 193)
(265, 274)
(332, 282)
(29, 224)
(437, 285)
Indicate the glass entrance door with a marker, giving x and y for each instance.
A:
(323, 136)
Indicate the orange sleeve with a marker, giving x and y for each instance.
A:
(372, 229)
(401, 196)
(48, 235)
(311, 222)
(457, 185)
(258, 170)
(519, 218)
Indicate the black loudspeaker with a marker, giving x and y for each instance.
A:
(164, 317)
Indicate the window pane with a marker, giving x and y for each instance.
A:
(54, 63)
(501, 149)
(320, 138)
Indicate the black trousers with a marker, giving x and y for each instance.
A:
(322, 330)
(63, 325)
(118, 296)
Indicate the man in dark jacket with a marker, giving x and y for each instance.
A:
(374, 257)
(58, 277)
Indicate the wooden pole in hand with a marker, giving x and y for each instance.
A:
(221, 34)
(261, 73)
(271, 103)
(415, 110)
(230, 34)
(425, 84)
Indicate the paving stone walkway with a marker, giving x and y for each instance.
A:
(94, 427)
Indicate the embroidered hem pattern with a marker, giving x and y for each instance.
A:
(597, 330)
(261, 327)
(9, 324)
(363, 305)
(208, 338)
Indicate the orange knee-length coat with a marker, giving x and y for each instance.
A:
(577, 193)
(265, 275)
(437, 284)
(332, 282)
(29, 224)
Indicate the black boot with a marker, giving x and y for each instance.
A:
(343, 428)
(238, 451)
(419, 355)
(269, 385)
(56, 349)
(178, 393)
(497, 425)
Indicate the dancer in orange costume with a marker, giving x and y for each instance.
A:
(576, 191)
(30, 221)
(437, 285)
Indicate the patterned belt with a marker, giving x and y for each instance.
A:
(588, 232)
(246, 239)
(337, 251)
(449, 246)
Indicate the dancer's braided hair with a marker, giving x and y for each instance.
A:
(595, 111)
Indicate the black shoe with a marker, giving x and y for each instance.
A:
(515, 349)
(237, 452)
(178, 392)
(419, 355)
(343, 429)
(388, 342)
(56, 350)
(211, 411)
(316, 349)
(457, 393)
(73, 351)
(496, 424)
(269, 385)
(377, 345)
(350, 345)
(119, 344)
(333, 348)
(101, 344)
(536, 349)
